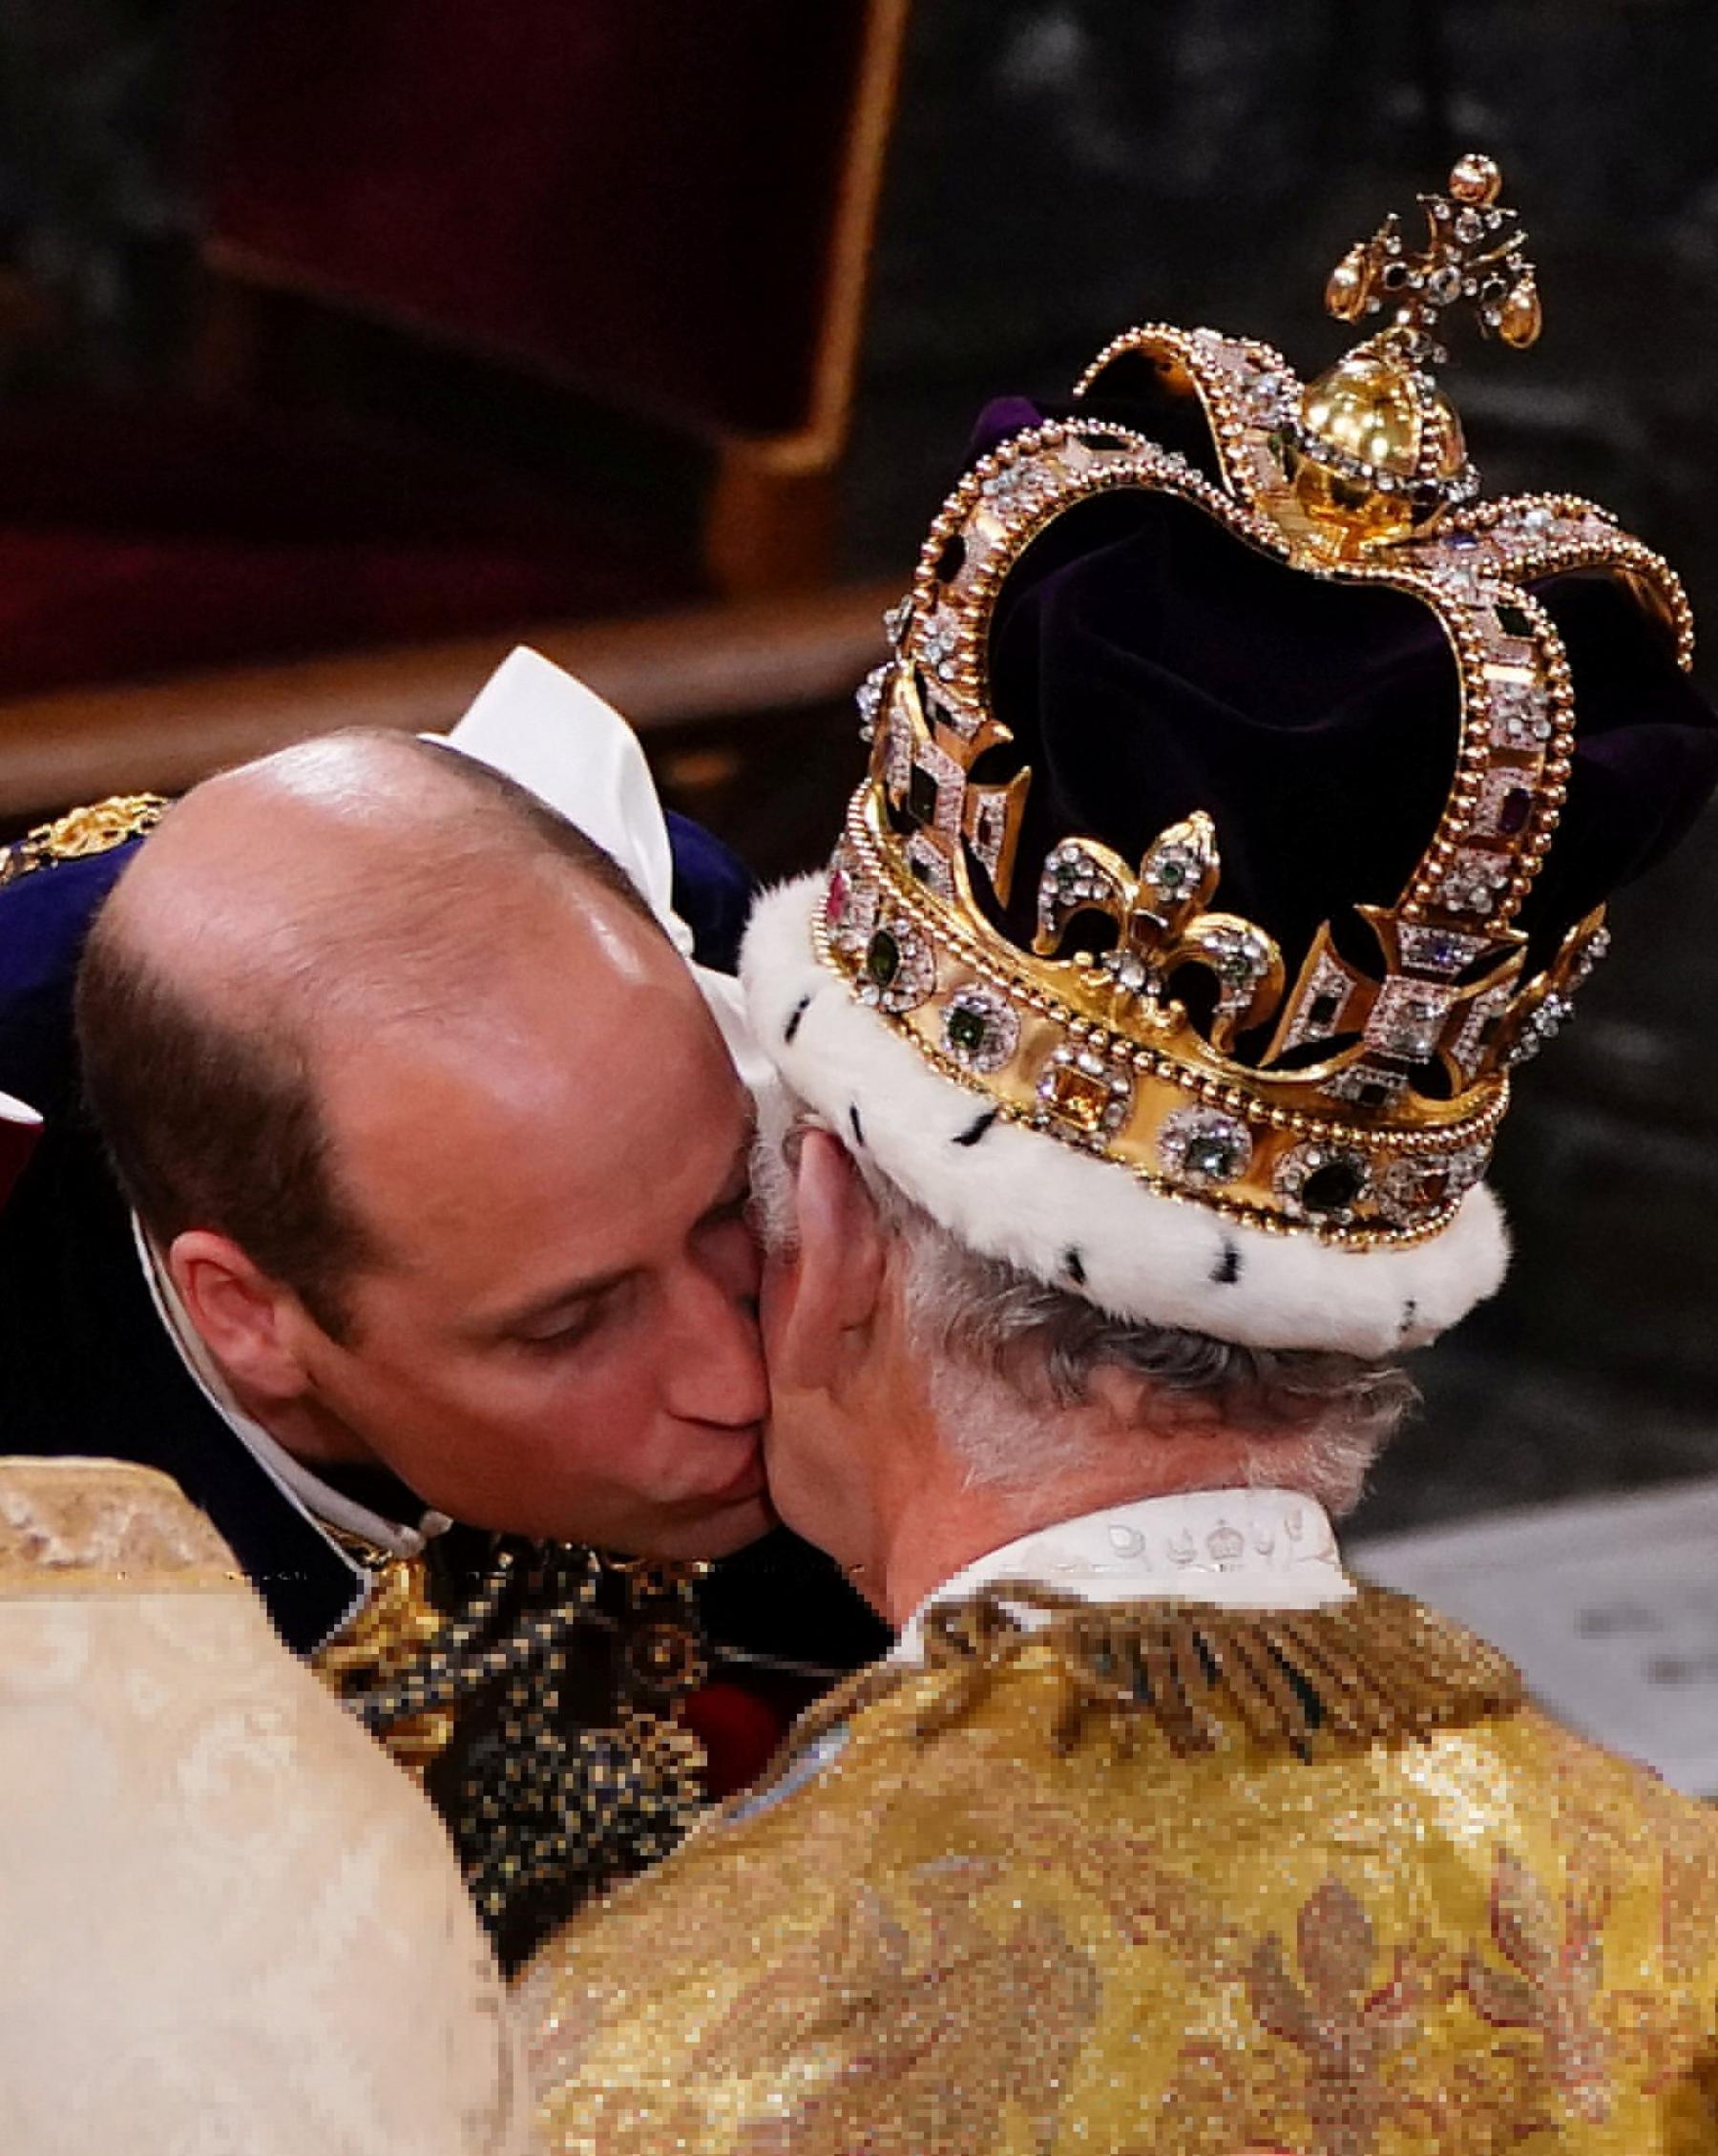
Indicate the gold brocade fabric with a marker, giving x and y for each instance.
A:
(1157, 1881)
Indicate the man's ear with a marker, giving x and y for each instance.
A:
(838, 1267)
(245, 1320)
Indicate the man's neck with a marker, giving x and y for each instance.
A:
(300, 1427)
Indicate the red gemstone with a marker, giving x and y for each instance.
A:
(835, 899)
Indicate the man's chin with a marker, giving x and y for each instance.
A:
(683, 1534)
(716, 1534)
(678, 1531)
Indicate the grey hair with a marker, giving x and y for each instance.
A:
(1007, 1355)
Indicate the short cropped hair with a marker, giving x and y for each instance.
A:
(212, 1117)
(1004, 1354)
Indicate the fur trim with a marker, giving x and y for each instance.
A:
(1076, 1222)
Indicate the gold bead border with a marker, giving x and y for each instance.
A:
(1217, 366)
(873, 864)
(1461, 608)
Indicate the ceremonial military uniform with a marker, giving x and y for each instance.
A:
(1244, 795)
(570, 1712)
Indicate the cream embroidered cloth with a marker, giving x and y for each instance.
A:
(228, 1925)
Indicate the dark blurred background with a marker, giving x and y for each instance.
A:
(1054, 170)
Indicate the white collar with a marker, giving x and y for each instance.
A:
(319, 1501)
(1242, 1549)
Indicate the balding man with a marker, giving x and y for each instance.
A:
(342, 999)
(432, 1162)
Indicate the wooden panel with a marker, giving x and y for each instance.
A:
(709, 665)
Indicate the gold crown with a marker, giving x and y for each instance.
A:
(1370, 1109)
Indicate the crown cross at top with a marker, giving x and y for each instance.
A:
(1473, 253)
(1375, 451)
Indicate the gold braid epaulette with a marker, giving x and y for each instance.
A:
(1377, 1669)
(97, 828)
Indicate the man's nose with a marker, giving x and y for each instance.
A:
(715, 1362)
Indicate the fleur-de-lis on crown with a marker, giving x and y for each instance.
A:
(1163, 924)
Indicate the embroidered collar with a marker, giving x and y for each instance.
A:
(1239, 1549)
(1192, 1676)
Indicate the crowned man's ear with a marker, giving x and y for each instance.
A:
(824, 1301)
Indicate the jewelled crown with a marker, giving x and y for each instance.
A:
(1351, 1098)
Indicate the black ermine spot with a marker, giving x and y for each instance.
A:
(976, 1129)
(1074, 1265)
(792, 1026)
(1227, 1269)
(858, 1126)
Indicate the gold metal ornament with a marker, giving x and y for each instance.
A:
(80, 833)
(1375, 451)
(390, 1634)
(1357, 1097)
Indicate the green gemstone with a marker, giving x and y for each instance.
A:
(883, 959)
(1515, 619)
(967, 1029)
(1213, 1157)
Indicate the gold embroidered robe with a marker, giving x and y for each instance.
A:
(1159, 1881)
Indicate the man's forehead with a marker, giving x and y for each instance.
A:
(495, 1185)
(523, 1002)
(332, 945)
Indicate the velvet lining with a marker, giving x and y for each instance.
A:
(1149, 664)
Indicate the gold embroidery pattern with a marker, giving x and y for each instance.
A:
(1342, 2021)
(397, 1624)
(1377, 1668)
(1553, 1982)
(972, 2020)
(81, 832)
(957, 1938)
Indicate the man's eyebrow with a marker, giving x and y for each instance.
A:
(735, 1185)
(555, 1303)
